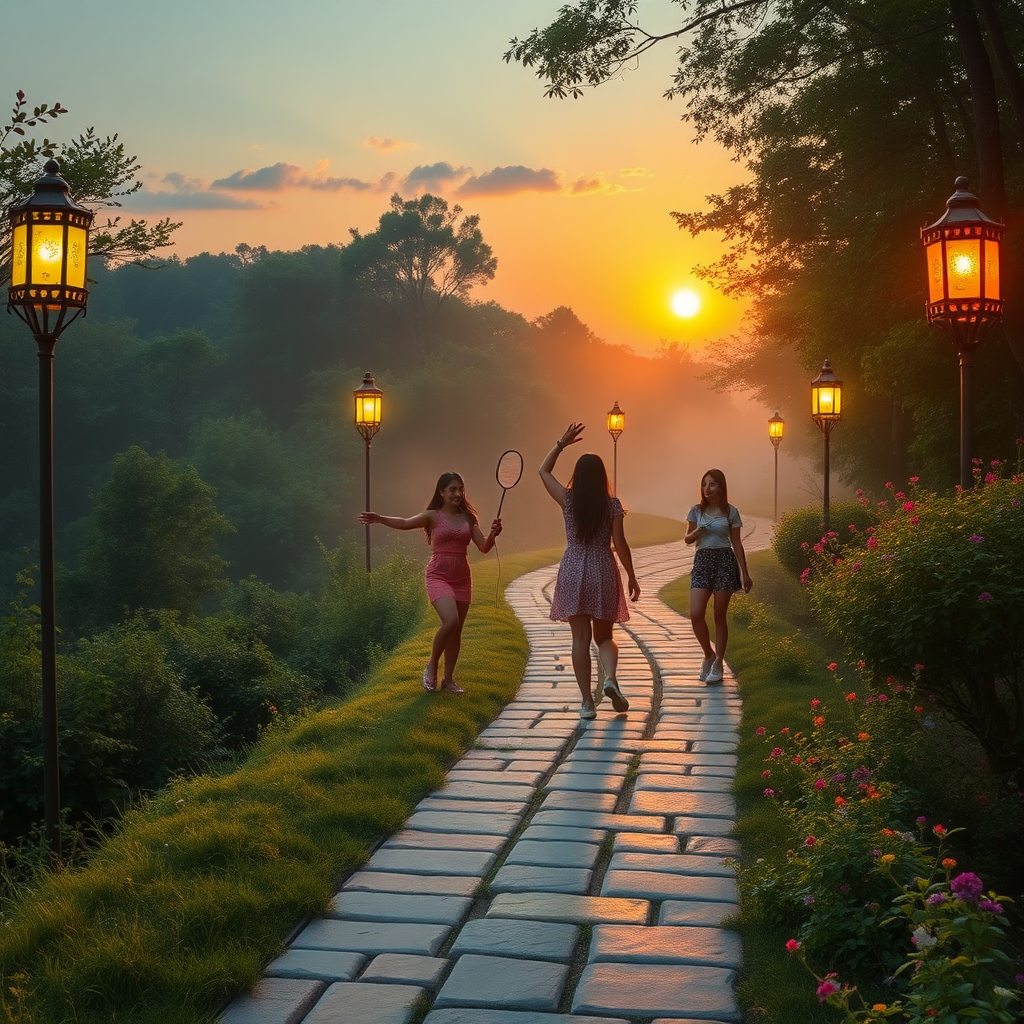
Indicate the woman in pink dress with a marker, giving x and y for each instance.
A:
(450, 523)
(588, 590)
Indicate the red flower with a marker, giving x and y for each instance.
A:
(792, 945)
(851, 697)
(810, 841)
(832, 666)
(819, 722)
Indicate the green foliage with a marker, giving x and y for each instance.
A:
(938, 589)
(153, 547)
(800, 529)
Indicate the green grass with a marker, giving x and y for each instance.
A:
(780, 661)
(196, 891)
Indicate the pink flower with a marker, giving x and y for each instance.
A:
(888, 485)
(922, 820)
(810, 841)
(991, 906)
(766, 773)
(859, 492)
(832, 666)
(759, 731)
(769, 792)
(792, 945)
(900, 495)
(852, 527)
(805, 576)
(827, 988)
(914, 520)
(914, 479)
(805, 546)
(776, 752)
(984, 597)
(975, 538)
(872, 542)
(908, 506)
(815, 703)
(990, 478)
(820, 784)
(855, 567)
(882, 698)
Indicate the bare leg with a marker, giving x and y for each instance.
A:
(607, 648)
(448, 612)
(581, 634)
(698, 606)
(722, 598)
(454, 645)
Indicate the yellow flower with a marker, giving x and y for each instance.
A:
(878, 1006)
(888, 858)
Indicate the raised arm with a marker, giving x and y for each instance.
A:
(570, 435)
(416, 522)
(625, 556)
(485, 543)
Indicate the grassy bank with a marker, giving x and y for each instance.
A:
(780, 661)
(196, 890)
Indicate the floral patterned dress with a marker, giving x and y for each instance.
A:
(588, 581)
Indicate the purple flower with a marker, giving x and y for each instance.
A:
(838, 777)
(844, 888)
(861, 773)
(769, 792)
(922, 820)
(967, 886)
(808, 900)
(935, 899)
(990, 905)
(975, 538)
(984, 597)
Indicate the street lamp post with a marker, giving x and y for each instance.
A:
(964, 297)
(776, 428)
(50, 241)
(616, 424)
(368, 399)
(826, 410)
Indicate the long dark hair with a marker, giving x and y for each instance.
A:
(719, 477)
(591, 509)
(436, 502)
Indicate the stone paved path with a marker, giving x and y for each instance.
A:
(608, 839)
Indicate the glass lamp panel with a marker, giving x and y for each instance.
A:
(824, 400)
(368, 409)
(992, 285)
(616, 421)
(963, 264)
(775, 428)
(19, 255)
(78, 241)
(47, 254)
(933, 254)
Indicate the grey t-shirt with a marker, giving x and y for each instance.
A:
(719, 527)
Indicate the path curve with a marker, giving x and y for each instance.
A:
(601, 847)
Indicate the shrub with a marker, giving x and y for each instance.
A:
(800, 529)
(937, 590)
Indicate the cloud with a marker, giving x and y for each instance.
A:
(184, 194)
(386, 144)
(435, 177)
(635, 172)
(282, 177)
(507, 181)
(596, 183)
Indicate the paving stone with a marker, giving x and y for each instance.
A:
(531, 940)
(412, 840)
(445, 804)
(640, 842)
(372, 936)
(366, 1003)
(466, 1015)
(423, 885)
(540, 906)
(496, 776)
(696, 912)
(353, 905)
(534, 878)
(678, 863)
(683, 825)
(653, 782)
(714, 746)
(465, 821)
(556, 800)
(481, 790)
(598, 819)
(712, 805)
(564, 855)
(274, 1001)
(562, 834)
(319, 964)
(456, 862)
(579, 766)
(657, 885)
(623, 943)
(406, 969)
(713, 845)
(655, 990)
(586, 783)
(503, 982)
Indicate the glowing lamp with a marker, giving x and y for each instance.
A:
(616, 421)
(826, 398)
(962, 256)
(776, 428)
(50, 241)
(368, 401)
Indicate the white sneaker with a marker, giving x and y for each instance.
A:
(614, 694)
(705, 667)
(587, 712)
(715, 675)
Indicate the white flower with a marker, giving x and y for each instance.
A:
(922, 938)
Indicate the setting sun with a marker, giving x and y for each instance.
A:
(685, 303)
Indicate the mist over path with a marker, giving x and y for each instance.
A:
(549, 827)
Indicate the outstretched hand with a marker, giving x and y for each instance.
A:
(366, 518)
(571, 434)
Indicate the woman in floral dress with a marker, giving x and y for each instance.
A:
(588, 590)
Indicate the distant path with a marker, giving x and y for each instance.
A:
(617, 828)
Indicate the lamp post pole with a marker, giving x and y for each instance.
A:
(776, 428)
(616, 424)
(964, 295)
(826, 411)
(49, 246)
(368, 401)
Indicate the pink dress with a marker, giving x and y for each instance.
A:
(447, 572)
(588, 581)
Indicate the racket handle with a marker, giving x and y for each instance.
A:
(504, 491)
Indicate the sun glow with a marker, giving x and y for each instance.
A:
(685, 303)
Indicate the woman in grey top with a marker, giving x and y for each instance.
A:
(719, 567)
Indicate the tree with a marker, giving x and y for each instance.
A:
(153, 545)
(823, 237)
(419, 256)
(99, 171)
